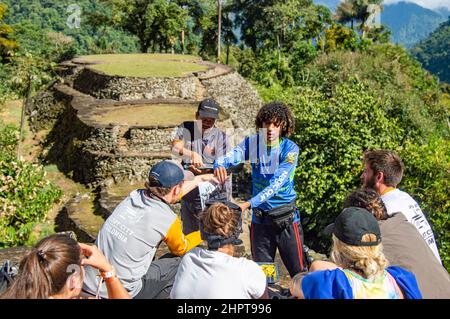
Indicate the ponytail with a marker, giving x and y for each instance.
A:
(43, 272)
(370, 260)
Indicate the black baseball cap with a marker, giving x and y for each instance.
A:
(169, 173)
(209, 108)
(352, 224)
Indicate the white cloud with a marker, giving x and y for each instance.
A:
(430, 4)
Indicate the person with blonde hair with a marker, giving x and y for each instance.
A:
(214, 273)
(359, 269)
(404, 246)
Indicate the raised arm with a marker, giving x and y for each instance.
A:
(96, 259)
(232, 158)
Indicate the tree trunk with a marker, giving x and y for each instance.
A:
(228, 53)
(22, 117)
(182, 41)
(144, 46)
(279, 50)
(219, 36)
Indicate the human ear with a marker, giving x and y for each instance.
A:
(380, 178)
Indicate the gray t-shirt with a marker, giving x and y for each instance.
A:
(403, 246)
(129, 239)
(211, 144)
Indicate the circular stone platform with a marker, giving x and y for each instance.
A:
(117, 124)
(144, 65)
(147, 114)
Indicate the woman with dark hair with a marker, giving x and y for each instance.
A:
(273, 157)
(214, 273)
(54, 269)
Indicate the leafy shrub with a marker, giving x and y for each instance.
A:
(345, 115)
(332, 134)
(427, 179)
(25, 195)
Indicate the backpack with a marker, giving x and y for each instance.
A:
(8, 272)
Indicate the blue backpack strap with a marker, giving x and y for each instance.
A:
(407, 282)
(327, 284)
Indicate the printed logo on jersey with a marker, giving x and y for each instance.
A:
(291, 157)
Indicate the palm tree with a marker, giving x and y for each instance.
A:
(346, 12)
(355, 10)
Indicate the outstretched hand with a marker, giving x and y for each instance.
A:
(196, 159)
(221, 174)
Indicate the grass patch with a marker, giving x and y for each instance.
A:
(149, 115)
(145, 65)
(12, 112)
(51, 168)
(124, 188)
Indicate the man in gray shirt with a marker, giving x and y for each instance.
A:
(130, 237)
(200, 143)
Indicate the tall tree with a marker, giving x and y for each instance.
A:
(356, 11)
(219, 28)
(157, 23)
(210, 35)
(346, 13)
(278, 24)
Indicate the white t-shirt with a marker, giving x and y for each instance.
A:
(399, 201)
(206, 274)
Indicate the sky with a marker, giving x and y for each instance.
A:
(430, 4)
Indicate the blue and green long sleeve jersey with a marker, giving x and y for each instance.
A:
(272, 170)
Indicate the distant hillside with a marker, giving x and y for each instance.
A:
(434, 52)
(409, 22)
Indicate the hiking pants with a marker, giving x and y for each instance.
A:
(266, 238)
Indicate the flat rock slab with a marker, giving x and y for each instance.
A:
(14, 254)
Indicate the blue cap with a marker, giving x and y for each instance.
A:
(169, 173)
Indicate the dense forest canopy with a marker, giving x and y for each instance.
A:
(434, 52)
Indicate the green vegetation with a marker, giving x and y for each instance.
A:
(7, 45)
(346, 102)
(434, 52)
(145, 65)
(59, 16)
(25, 194)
